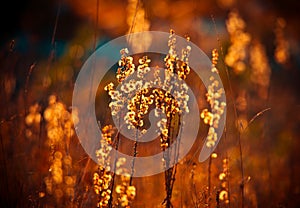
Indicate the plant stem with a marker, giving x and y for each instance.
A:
(134, 155)
(110, 202)
(209, 181)
(26, 88)
(235, 114)
(242, 169)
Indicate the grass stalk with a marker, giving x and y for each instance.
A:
(235, 115)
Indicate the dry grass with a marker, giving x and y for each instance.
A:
(255, 164)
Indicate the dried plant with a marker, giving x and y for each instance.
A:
(237, 51)
(139, 97)
(223, 195)
(43, 163)
(60, 181)
(138, 22)
(102, 178)
(261, 71)
(281, 53)
(125, 191)
(214, 93)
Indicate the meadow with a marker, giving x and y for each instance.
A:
(253, 46)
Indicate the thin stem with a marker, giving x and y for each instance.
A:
(134, 155)
(256, 115)
(52, 53)
(235, 115)
(91, 81)
(242, 185)
(135, 145)
(133, 21)
(55, 25)
(209, 182)
(170, 172)
(194, 188)
(110, 204)
(26, 87)
(85, 169)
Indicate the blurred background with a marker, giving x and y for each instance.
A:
(44, 44)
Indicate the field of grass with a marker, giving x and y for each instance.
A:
(253, 46)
